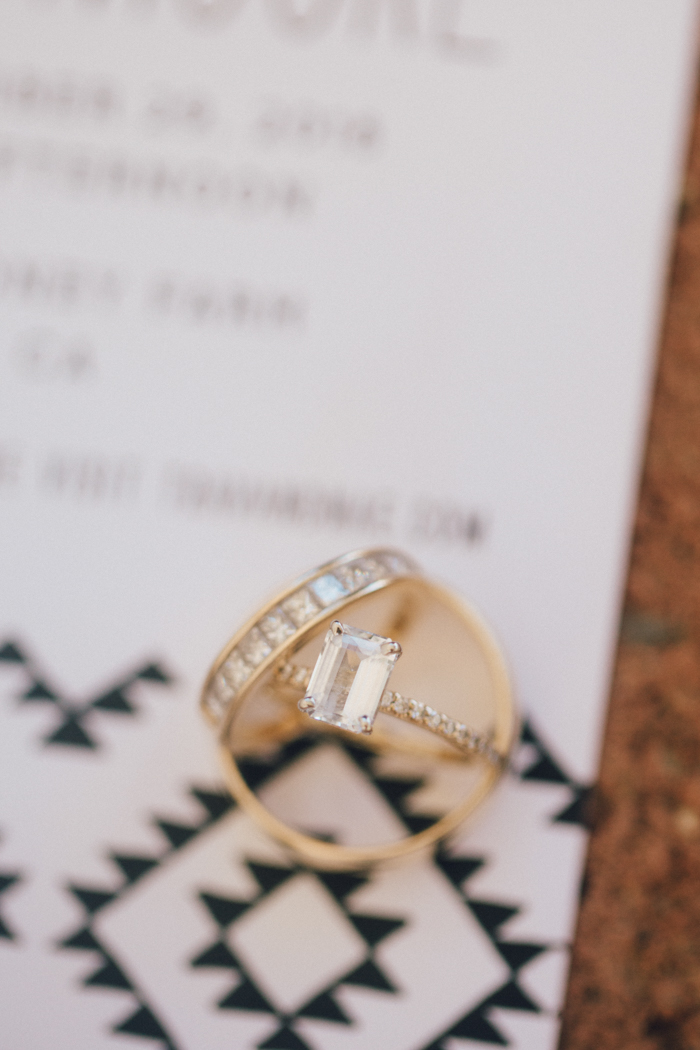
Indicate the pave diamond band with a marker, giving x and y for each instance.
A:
(457, 733)
(354, 616)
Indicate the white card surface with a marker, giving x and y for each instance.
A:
(279, 280)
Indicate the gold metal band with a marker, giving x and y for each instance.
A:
(448, 650)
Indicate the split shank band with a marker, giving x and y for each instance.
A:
(318, 657)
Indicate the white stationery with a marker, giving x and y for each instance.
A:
(280, 279)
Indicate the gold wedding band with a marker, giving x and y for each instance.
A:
(318, 658)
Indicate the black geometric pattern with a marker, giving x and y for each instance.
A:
(246, 995)
(491, 916)
(7, 881)
(129, 869)
(143, 1020)
(544, 769)
(71, 724)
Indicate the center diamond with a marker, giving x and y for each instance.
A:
(349, 677)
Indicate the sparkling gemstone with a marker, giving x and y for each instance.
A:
(235, 670)
(415, 710)
(432, 717)
(296, 676)
(300, 607)
(219, 696)
(350, 676)
(359, 574)
(371, 568)
(276, 627)
(448, 726)
(401, 704)
(222, 690)
(396, 563)
(328, 589)
(254, 647)
(299, 678)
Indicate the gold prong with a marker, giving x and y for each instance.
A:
(390, 648)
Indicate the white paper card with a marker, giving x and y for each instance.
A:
(279, 279)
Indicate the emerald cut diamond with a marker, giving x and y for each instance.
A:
(349, 678)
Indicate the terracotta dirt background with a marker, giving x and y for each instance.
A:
(635, 978)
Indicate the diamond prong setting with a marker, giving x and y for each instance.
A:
(307, 704)
(350, 676)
